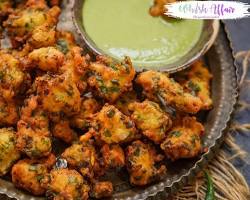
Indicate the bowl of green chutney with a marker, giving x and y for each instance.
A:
(119, 28)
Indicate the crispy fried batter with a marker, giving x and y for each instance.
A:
(42, 36)
(183, 140)
(82, 157)
(157, 84)
(13, 80)
(141, 160)
(23, 21)
(102, 189)
(75, 68)
(33, 135)
(64, 184)
(151, 120)
(8, 112)
(82, 120)
(125, 99)
(8, 152)
(46, 59)
(197, 81)
(27, 174)
(113, 156)
(63, 131)
(111, 126)
(58, 94)
(111, 79)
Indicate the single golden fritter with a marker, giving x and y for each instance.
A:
(111, 126)
(42, 36)
(151, 120)
(75, 68)
(197, 81)
(27, 174)
(82, 120)
(63, 131)
(21, 23)
(8, 152)
(158, 9)
(109, 78)
(159, 85)
(82, 157)
(13, 80)
(140, 160)
(58, 94)
(8, 112)
(33, 135)
(62, 184)
(102, 189)
(184, 141)
(112, 156)
(124, 100)
(46, 59)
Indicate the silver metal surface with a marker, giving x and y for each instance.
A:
(224, 92)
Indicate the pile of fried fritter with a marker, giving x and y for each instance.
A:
(110, 117)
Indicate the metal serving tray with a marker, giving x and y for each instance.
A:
(224, 92)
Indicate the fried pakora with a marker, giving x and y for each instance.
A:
(111, 126)
(8, 151)
(42, 36)
(159, 85)
(8, 112)
(58, 94)
(140, 160)
(197, 81)
(27, 174)
(82, 120)
(65, 184)
(124, 100)
(151, 120)
(109, 78)
(33, 134)
(22, 21)
(13, 80)
(112, 156)
(102, 189)
(63, 131)
(82, 157)
(46, 59)
(75, 68)
(184, 140)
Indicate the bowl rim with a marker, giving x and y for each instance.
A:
(212, 26)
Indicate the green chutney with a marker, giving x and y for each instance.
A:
(125, 28)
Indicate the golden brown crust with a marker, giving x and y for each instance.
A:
(141, 158)
(62, 184)
(28, 174)
(196, 80)
(113, 127)
(8, 151)
(184, 140)
(150, 119)
(157, 84)
(111, 79)
(102, 189)
(113, 156)
(33, 134)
